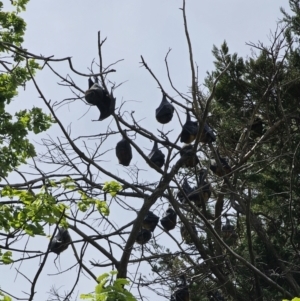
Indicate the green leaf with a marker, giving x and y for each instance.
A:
(112, 292)
(4, 297)
(112, 187)
(6, 258)
(102, 207)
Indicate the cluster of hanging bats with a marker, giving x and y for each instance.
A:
(200, 194)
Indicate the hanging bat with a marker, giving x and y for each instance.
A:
(97, 96)
(186, 237)
(143, 236)
(187, 190)
(164, 113)
(192, 159)
(91, 83)
(95, 93)
(181, 292)
(220, 172)
(202, 192)
(257, 127)
(150, 221)
(169, 220)
(204, 186)
(207, 136)
(123, 152)
(61, 241)
(157, 156)
(189, 130)
(228, 232)
(227, 229)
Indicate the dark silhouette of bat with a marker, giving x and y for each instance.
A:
(202, 192)
(169, 220)
(95, 93)
(164, 113)
(228, 231)
(150, 221)
(187, 190)
(143, 236)
(227, 227)
(157, 156)
(91, 83)
(181, 293)
(257, 127)
(123, 151)
(207, 136)
(220, 172)
(189, 130)
(186, 237)
(99, 97)
(192, 159)
(61, 241)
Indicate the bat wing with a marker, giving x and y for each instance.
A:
(189, 131)
(187, 190)
(99, 97)
(123, 152)
(169, 221)
(164, 113)
(94, 95)
(209, 134)
(61, 241)
(157, 157)
(106, 106)
(192, 159)
(143, 236)
(150, 221)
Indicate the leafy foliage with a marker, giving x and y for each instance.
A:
(86, 202)
(112, 187)
(114, 291)
(6, 257)
(15, 148)
(33, 210)
(4, 297)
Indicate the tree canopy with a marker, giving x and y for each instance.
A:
(217, 217)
